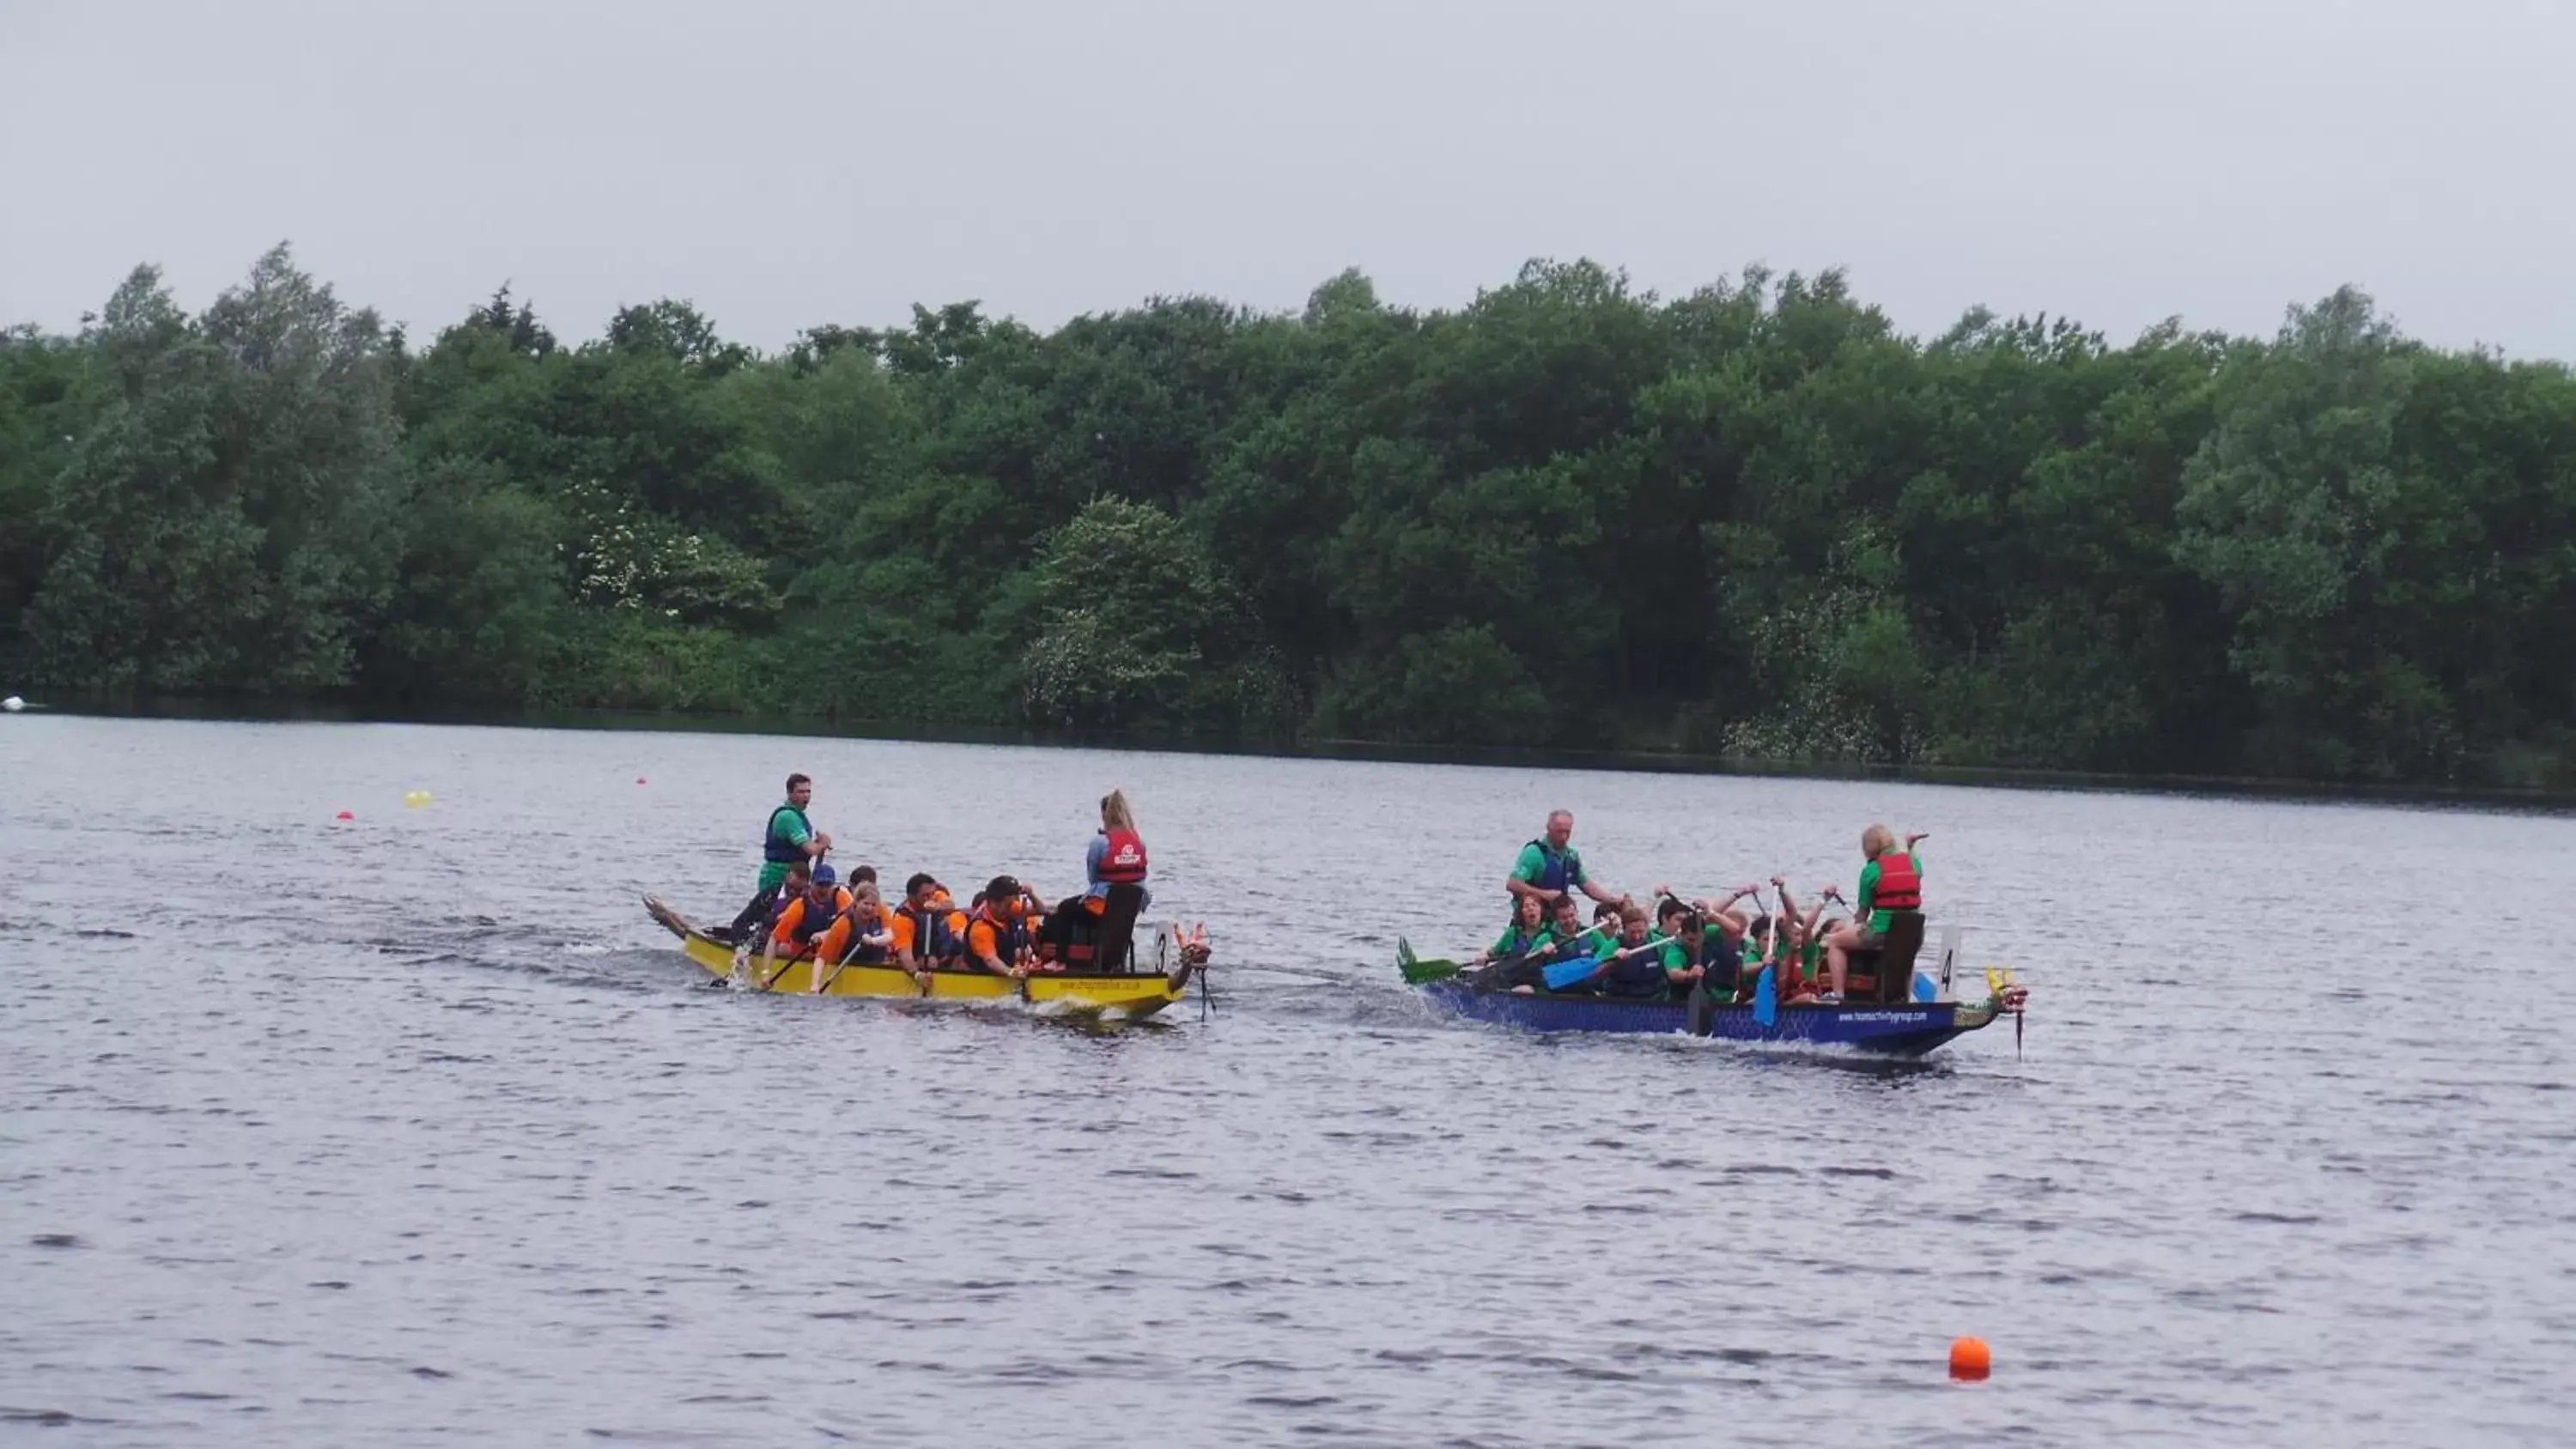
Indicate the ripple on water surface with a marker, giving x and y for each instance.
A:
(413, 1130)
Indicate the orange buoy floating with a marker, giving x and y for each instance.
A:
(344, 815)
(1969, 1358)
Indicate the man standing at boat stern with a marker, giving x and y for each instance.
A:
(1550, 868)
(788, 838)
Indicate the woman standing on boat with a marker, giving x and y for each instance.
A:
(1117, 854)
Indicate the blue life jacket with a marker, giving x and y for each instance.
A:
(864, 954)
(777, 849)
(1554, 870)
(1519, 942)
(812, 923)
(1641, 975)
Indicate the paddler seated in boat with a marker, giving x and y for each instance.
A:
(1891, 881)
(788, 839)
(1567, 941)
(1550, 867)
(1785, 944)
(997, 934)
(865, 935)
(814, 911)
(1565, 923)
(1528, 933)
(1801, 954)
(1575, 968)
(1721, 921)
(1517, 959)
(929, 930)
(1649, 962)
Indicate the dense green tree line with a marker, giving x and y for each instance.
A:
(1753, 521)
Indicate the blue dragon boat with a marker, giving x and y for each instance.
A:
(1891, 1007)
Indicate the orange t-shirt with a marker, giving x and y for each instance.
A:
(903, 932)
(784, 933)
(982, 942)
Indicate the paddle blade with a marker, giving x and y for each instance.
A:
(1420, 973)
(1565, 973)
(1766, 1000)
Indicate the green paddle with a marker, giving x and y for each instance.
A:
(1418, 972)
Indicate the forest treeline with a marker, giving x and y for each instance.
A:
(1755, 521)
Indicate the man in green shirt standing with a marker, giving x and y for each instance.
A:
(1550, 868)
(788, 838)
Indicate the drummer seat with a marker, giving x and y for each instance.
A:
(1113, 937)
(1886, 975)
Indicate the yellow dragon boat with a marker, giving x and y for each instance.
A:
(1127, 994)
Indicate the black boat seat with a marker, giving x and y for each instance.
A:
(1113, 937)
(1886, 975)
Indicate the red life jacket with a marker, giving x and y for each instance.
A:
(1123, 862)
(1900, 885)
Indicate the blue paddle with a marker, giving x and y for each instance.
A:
(1766, 991)
(1566, 973)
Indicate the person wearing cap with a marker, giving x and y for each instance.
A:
(811, 913)
(998, 935)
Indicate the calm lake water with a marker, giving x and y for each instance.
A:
(413, 1130)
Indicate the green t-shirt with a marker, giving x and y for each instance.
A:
(1533, 863)
(1510, 943)
(786, 823)
(1868, 890)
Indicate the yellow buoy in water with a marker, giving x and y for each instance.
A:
(415, 798)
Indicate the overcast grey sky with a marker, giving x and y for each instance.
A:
(791, 162)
